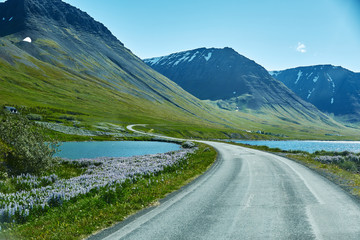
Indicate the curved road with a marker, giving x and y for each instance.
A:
(249, 194)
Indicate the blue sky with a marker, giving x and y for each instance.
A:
(277, 34)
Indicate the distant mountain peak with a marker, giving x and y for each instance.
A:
(333, 89)
(203, 54)
(208, 65)
(231, 79)
(226, 57)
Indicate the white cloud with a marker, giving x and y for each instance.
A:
(301, 48)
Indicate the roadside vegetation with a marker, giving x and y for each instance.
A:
(343, 168)
(47, 198)
(24, 147)
(72, 199)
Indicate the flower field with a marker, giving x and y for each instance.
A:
(41, 193)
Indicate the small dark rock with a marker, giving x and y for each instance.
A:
(206, 150)
(188, 144)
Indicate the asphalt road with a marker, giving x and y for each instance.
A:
(249, 194)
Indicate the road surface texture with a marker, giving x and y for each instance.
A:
(249, 194)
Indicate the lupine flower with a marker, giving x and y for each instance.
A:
(100, 173)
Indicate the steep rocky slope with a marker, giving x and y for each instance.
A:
(233, 81)
(332, 89)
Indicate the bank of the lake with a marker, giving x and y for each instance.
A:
(85, 215)
(342, 168)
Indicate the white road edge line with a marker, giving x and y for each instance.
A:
(247, 205)
(320, 201)
(313, 224)
(309, 215)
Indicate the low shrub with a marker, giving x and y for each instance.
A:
(330, 159)
(109, 196)
(34, 117)
(348, 166)
(24, 147)
(5, 150)
(354, 158)
(188, 144)
(66, 117)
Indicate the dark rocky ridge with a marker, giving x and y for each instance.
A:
(332, 89)
(12, 17)
(34, 14)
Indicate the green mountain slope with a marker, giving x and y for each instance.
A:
(83, 69)
(74, 65)
(231, 81)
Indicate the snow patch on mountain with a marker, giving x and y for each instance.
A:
(207, 58)
(274, 73)
(27, 39)
(153, 61)
(193, 56)
(316, 79)
(183, 58)
(329, 78)
(300, 73)
(332, 81)
(332, 100)
(310, 92)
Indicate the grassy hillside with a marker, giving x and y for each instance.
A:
(69, 74)
(51, 91)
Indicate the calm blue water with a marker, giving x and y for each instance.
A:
(76, 150)
(309, 146)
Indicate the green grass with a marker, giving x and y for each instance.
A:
(67, 171)
(198, 132)
(53, 91)
(62, 170)
(89, 214)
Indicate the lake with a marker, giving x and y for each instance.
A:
(309, 146)
(76, 150)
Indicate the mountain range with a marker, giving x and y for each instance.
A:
(55, 55)
(56, 58)
(332, 89)
(234, 82)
